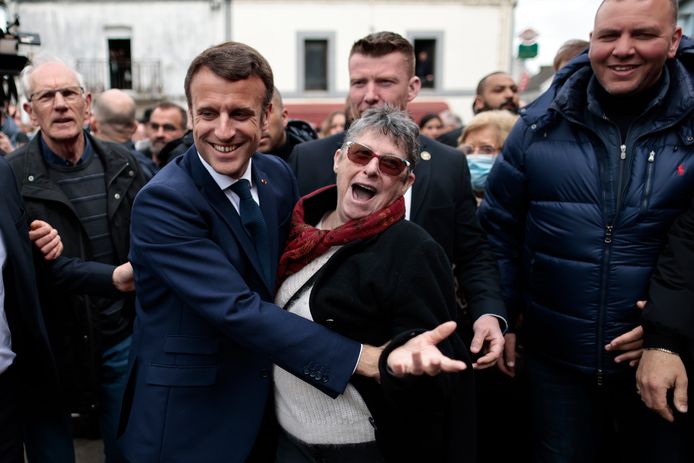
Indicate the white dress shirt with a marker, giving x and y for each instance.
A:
(224, 182)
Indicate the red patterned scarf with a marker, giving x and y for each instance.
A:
(306, 242)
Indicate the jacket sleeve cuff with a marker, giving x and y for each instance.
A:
(657, 336)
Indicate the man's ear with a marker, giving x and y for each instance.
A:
(29, 110)
(132, 129)
(413, 87)
(676, 38)
(93, 125)
(285, 117)
(478, 104)
(265, 123)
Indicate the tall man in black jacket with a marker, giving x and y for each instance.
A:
(25, 355)
(381, 70)
(667, 364)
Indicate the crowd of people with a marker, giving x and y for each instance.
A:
(223, 283)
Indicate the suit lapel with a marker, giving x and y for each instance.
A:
(221, 204)
(422, 173)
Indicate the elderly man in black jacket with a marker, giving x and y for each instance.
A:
(84, 188)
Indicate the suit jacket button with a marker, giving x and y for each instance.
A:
(265, 373)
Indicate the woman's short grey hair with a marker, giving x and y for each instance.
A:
(39, 60)
(394, 123)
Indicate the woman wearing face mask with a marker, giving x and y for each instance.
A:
(481, 141)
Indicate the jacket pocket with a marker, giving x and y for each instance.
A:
(186, 376)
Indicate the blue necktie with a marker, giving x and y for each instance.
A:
(254, 223)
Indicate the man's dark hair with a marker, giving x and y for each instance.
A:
(428, 117)
(483, 82)
(146, 114)
(384, 43)
(232, 61)
(164, 105)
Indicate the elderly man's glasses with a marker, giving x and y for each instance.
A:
(69, 94)
(387, 163)
(482, 149)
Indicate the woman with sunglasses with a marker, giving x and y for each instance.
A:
(354, 265)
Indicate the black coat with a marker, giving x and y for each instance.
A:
(391, 287)
(669, 316)
(34, 361)
(69, 320)
(442, 204)
(38, 375)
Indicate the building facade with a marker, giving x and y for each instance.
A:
(145, 46)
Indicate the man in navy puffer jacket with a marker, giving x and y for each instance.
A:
(577, 208)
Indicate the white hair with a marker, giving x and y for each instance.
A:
(40, 60)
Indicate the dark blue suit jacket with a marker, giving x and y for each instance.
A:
(206, 334)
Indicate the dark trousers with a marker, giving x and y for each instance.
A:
(576, 421)
(501, 399)
(10, 420)
(291, 450)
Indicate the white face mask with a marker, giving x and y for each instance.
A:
(480, 165)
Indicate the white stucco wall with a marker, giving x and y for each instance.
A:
(477, 39)
(172, 32)
(475, 35)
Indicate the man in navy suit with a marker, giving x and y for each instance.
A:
(206, 333)
(381, 71)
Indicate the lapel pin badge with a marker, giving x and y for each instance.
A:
(263, 181)
(425, 155)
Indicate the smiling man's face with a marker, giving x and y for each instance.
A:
(228, 120)
(630, 43)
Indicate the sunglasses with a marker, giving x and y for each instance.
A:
(387, 163)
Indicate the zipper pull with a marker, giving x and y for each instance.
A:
(623, 152)
(651, 156)
(608, 234)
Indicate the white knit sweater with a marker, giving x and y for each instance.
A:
(302, 410)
